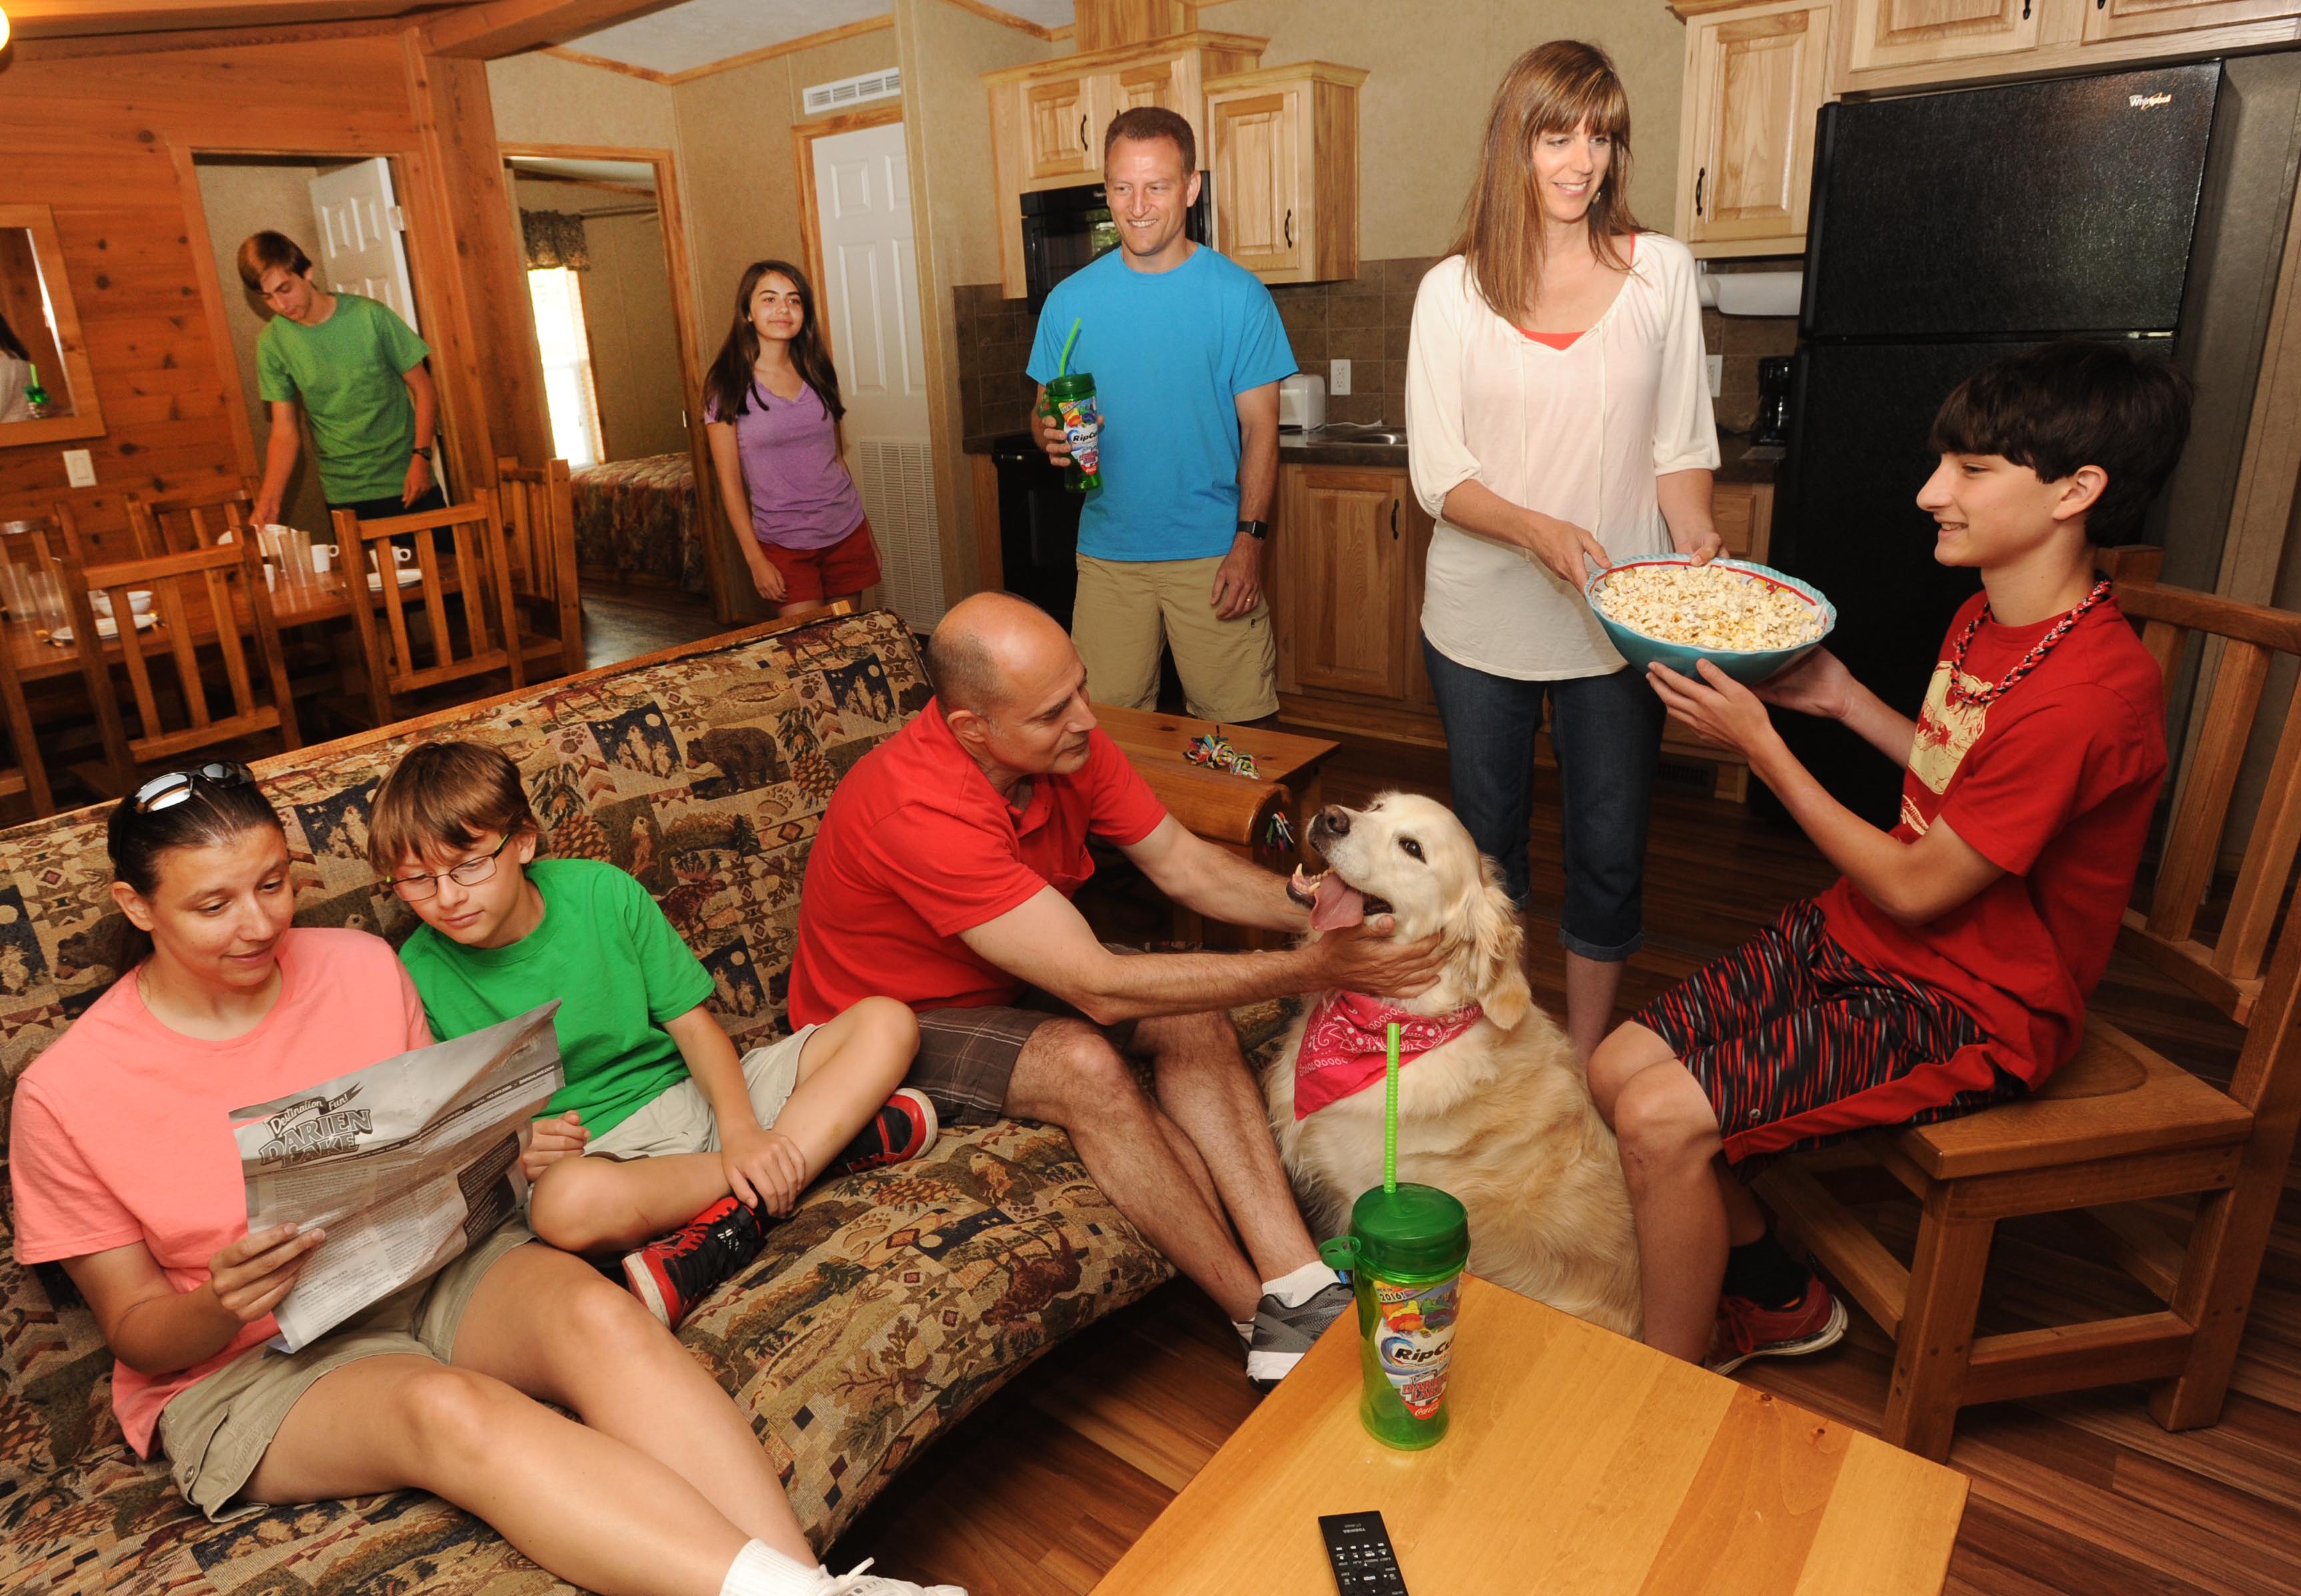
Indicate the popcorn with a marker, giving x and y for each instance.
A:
(1708, 607)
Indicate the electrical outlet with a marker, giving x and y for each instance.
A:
(80, 468)
(1338, 379)
(1717, 363)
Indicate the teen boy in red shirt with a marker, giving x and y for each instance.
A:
(1949, 967)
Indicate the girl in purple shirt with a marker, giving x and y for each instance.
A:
(771, 408)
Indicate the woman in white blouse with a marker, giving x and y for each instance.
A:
(1557, 420)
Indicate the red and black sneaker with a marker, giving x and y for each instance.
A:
(1747, 1329)
(903, 1128)
(674, 1273)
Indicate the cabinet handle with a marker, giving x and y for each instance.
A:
(1083, 143)
(2025, 10)
(1698, 178)
(1289, 230)
(1393, 520)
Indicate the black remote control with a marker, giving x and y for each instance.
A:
(1358, 1547)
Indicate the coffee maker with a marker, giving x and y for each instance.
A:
(1772, 426)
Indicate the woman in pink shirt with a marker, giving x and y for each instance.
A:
(771, 408)
(126, 1173)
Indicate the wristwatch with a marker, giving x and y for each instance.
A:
(1256, 529)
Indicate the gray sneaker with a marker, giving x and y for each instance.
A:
(1283, 1334)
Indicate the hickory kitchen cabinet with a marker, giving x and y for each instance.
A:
(1755, 77)
(1284, 158)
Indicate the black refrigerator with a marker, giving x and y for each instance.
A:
(1947, 230)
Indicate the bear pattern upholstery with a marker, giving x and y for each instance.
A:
(888, 1307)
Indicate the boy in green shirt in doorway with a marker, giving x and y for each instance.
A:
(659, 1120)
(357, 369)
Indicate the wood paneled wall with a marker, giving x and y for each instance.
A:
(106, 141)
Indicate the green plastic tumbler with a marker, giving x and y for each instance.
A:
(1408, 1248)
(1070, 402)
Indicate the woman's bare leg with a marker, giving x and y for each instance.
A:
(551, 1326)
(583, 1505)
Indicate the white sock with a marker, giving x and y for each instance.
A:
(1245, 1328)
(1299, 1286)
(760, 1570)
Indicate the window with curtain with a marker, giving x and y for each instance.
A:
(567, 345)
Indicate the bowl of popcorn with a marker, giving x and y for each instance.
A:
(1751, 620)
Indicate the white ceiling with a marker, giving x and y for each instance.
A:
(696, 33)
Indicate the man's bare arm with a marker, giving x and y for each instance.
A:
(1046, 942)
(1215, 882)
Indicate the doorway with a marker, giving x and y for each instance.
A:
(343, 211)
(606, 273)
(856, 211)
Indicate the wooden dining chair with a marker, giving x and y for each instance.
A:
(28, 774)
(209, 600)
(179, 522)
(2120, 1125)
(538, 520)
(46, 540)
(459, 552)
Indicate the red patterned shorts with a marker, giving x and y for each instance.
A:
(1798, 1044)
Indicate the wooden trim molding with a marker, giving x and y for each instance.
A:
(212, 292)
(86, 419)
(496, 27)
(646, 74)
(1008, 19)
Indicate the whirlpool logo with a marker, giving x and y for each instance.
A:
(2147, 102)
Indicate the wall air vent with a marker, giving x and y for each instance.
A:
(854, 91)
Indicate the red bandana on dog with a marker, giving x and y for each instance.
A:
(1346, 1041)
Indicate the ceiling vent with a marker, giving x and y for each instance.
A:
(854, 91)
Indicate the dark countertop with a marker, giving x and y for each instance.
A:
(1733, 466)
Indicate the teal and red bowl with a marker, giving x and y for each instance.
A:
(1748, 666)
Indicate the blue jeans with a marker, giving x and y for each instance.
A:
(1607, 732)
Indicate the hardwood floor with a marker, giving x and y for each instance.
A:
(1043, 1488)
(620, 623)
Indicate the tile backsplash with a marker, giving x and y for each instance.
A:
(1364, 321)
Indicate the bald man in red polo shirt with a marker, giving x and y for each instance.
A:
(943, 876)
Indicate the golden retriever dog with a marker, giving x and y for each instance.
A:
(1497, 1112)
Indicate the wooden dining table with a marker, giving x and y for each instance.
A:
(40, 657)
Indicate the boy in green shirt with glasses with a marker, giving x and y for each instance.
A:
(660, 1127)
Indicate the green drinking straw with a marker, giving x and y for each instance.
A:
(1389, 1114)
(1063, 366)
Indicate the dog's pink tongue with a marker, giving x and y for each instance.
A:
(1339, 904)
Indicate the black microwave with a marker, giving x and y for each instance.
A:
(1064, 228)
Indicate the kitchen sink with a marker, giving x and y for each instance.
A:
(1327, 435)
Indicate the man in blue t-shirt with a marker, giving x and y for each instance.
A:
(1186, 351)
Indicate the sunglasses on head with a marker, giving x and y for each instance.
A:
(166, 792)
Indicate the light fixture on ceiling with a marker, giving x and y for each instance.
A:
(4, 29)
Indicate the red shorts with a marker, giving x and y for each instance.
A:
(1798, 1044)
(812, 575)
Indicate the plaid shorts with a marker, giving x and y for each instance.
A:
(968, 1056)
(1798, 1044)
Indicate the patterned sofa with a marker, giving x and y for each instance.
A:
(887, 1308)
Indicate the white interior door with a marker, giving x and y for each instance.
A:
(870, 313)
(358, 224)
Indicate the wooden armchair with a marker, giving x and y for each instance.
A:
(2119, 1125)
(538, 520)
(473, 563)
(180, 523)
(199, 604)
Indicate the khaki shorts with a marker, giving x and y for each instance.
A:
(217, 1431)
(678, 1119)
(1126, 608)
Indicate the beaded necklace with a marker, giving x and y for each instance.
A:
(1959, 693)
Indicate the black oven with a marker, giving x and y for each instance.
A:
(1064, 228)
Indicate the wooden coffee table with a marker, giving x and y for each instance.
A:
(1578, 1462)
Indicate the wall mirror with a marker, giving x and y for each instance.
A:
(47, 390)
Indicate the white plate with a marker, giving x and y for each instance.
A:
(139, 599)
(408, 576)
(105, 627)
